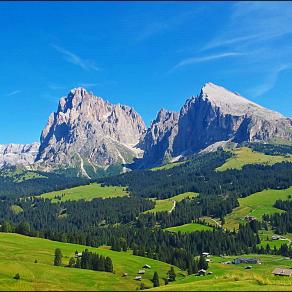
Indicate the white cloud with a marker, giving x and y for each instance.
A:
(254, 22)
(201, 59)
(270, 81)
(14, 92)
(89, 84)
(72, 58)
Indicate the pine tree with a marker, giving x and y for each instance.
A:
(71, 263)
(171, 274)
(58, 257)
(108, 265)
(155, 280)
(202, 263)
(78, 263)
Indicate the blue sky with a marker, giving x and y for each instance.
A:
(147, 55)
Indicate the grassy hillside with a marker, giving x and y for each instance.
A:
(19, 174)
(18, 253)
(87, 193)
(167, 166)
(236, 277)
(188, 228)
(243, 156)
(167, 204)
(266, 238)
(256, 205)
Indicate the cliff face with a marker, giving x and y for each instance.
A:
(158, 140)
(13, 154)
(86, 129)
(215, 115)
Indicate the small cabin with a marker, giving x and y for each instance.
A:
(78, 255)
(246, 261)
(138, 278)
(208, 260)
(275, 237)
(125, 274)
(209, 273)
(202, 272)
(248, 267)
(282, 272)
(141, 272)
(146, 267)
(206, 254)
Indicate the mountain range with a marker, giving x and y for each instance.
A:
(91, 134)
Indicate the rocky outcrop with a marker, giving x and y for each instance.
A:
(86, 130)
(18, 154)
(215, 115)
(158, 140)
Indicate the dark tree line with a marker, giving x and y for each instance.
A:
(93, 261)
(42, 215)
(10, 186)
(270, 149)
(281, 222)
(199, 175)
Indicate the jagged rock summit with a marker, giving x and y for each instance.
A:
(234, 104)
(215, 115)
(23, 154)
(87, 131)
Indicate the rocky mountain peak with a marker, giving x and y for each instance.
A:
(86, 127)
(214, 116)
(23, 154)
(233, 103)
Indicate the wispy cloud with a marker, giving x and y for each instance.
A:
(167, 24)
(208, 58)
(270, 81)
(72, 58)
(254, 22)
(260, 32)
(89, 84)
(14, 92)
(54, 86)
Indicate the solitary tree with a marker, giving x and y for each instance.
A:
(155, 280)
(71, 262)
(17, 276)
(108, 265)
(202, 263)
(78, 263)
(171, 274)
(58, 257)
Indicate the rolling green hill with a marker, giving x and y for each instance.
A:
(243, 156)
(256, 205)
(18, 253)
(87, 193)
(191, 227)
(229, 277)
(167, 166)
(167, 204)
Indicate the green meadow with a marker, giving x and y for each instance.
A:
(167, 204)
(190, 227)
(229, 277)
(87, 193)
(18, 254)
(256, 205)
(266, 238)
(167, 166)
(243, 156)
